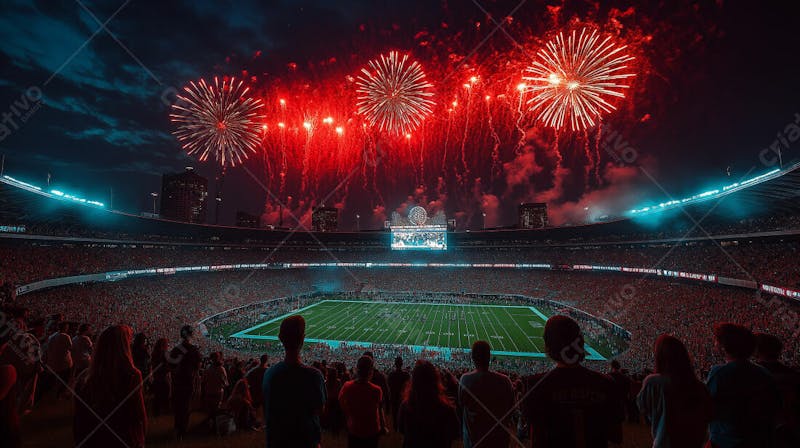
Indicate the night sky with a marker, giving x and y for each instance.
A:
(720, 91)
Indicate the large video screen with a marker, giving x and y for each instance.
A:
(419, 237)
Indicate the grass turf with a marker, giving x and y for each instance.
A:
(511, 330)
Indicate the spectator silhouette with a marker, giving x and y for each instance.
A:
(787, 425)
(623, 385)
(9, 418)
(426, 417)
(744, 394)
(255, 377)
(332, 416)
(161, 384)
(398, 380)
(141, 355)
(675, 402)
(486, 399)
(240, 405)
(294, 394)
(215, 380)
(379, 379)
(184, 360)
(59, 359)
(570, 405)
(361, 402)
(82, 348)
(109, 402)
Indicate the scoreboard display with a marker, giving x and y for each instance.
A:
(426, 237)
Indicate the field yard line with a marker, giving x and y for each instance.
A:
(243, 333)
(417, 307)
(513, 341)
(357, 326)
(368, 337)
(394, 328)
(520, 329)
(475, 335)
(423, 330)
(334, 318)
(485, 330)
(458, 327)
(442, 321)
(449, 330)
(339, 319)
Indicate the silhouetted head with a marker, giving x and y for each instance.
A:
(563, 340)
(425, 387)
(481, 354)
(398, 362)
(187, 332)
(365, 368)
(672, 359)
(735, 340)
(768, 347)
(292, 332)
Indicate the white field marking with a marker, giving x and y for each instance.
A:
(497, 319)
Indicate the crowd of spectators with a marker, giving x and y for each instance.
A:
(768, 261)
(748, 399)
(62, 330)
(643, 306)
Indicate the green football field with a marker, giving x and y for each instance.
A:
(511, 330)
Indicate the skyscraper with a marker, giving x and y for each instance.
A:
(325, 219)
(183, 196)
(533, 215)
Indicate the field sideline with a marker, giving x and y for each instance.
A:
(511, 330)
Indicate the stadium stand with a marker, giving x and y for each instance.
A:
(66, 267)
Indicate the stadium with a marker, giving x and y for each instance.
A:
(344, 225)
(624, 282)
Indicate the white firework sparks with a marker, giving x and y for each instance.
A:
(219, 121)
(573, 79)
(393, 94)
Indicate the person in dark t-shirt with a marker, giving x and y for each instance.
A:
(787, 380)
(570, 405)
(184, 362)
(398, 379)
(745, 397)
(294, 394)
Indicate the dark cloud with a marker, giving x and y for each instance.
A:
(102, 121)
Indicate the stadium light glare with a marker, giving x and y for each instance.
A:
(710, 194)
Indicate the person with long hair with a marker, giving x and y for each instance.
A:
(109, 404)
(240, 405)
(673, 399)
(160, 386)
(427, 418)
